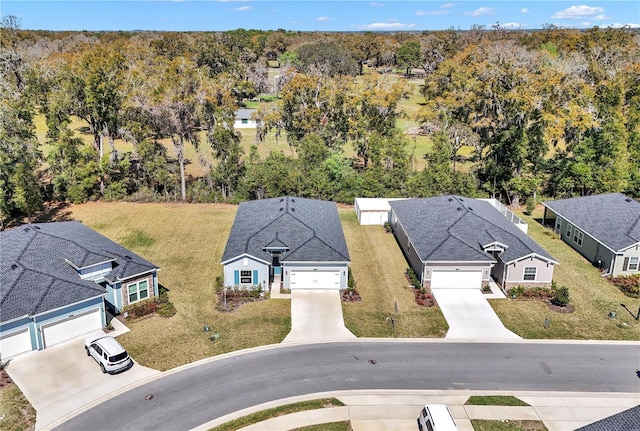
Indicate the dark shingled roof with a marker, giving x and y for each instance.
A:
(628, 420)
(309, 228)
(35, 274)
(455, 229)
(613, 218)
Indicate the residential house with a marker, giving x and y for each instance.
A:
(295, 242)
(57, 281)
(244, 119)
(458, 242)
(604, 228)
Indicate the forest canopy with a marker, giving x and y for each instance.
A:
(149, 116)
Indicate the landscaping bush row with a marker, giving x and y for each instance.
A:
(159, 305)
(628, 284)
(231, 297)
(556, 295)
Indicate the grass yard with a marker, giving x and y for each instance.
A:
(15, 411)
(186, 241)
(592, 296)
(378, 268)
(489, 425)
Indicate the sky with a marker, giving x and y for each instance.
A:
(325, 15)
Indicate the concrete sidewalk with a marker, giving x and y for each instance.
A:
(397, 410)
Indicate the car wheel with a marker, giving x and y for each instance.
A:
(87, 350)
(102, 368)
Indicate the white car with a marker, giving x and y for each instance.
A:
(108, 353)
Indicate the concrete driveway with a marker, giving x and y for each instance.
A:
(316, 315)
(469, 315)
(62, 379)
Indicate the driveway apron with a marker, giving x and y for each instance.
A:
(469, 315)
(62, 379)
(316, 315)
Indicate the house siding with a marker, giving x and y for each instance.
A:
(124, 292)
(287, 267)
(618, 267)
(515, 273)
(251, 264)
(407, 248)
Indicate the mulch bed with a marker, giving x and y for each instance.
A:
(566, 309)
(235, 298)
(5, 380)
(424, 299)
(353, 296)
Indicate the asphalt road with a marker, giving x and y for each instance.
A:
(198, 394)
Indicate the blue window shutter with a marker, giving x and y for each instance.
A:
(255, 276)
(236, 277)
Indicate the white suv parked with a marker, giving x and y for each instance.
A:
(108, 353)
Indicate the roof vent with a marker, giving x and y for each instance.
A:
(126, 256)
(281, 199)
(470, 209)
(293, 209)
(14, 266)
(37, 227)
(26, 229)
(281, 209)
(450, 199)
(628, 199)
(459, 209)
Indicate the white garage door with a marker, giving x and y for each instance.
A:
(71, 327)
(15, 343)
(315, 279)
(456, 279)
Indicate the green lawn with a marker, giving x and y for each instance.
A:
(378, 267)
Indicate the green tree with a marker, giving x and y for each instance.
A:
(409, 56)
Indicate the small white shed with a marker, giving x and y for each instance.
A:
(244, 119)
(373, 211)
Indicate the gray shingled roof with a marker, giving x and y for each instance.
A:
(628, 420)
(613, 218)
(455, 229)
(310, 229)
(34, 273)
(244, 114)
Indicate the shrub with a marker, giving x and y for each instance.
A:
(561, 296)
(387, 227)
(159, 304)
(412, 277)
(516, 292)
(628, 284)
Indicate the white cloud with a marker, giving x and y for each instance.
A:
(323, 18)
(512, 25)
(601, 17)
(481, 11)
(577, 12)
(243, 8)
(376, 4)
(524, 10)
(447, 5)
(629, 25)
(386, 26)
(421, 13)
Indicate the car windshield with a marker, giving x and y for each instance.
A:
(118, 357)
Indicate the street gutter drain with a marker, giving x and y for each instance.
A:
(148, 397)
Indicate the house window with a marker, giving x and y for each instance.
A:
(530, 273)
(569, 227)
(138, 291)
(245, 121)
(577, 236)
(633, 263)
(558, 224)
(246, 277)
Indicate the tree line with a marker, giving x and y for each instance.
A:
(552, 112)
